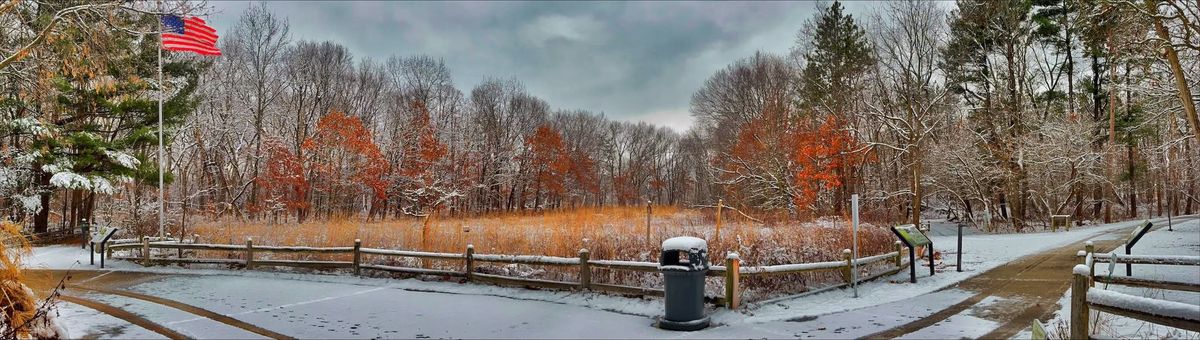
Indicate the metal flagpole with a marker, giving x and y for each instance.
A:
(854, 261)
(161, 89)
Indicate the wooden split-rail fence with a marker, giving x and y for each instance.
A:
(470, 260)
(1085, 297)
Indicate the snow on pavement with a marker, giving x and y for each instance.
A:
(1184, 240)
(982, 252)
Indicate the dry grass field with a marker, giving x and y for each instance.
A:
(611, 233)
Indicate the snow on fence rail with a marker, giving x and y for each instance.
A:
(1162, 312)
(146, 256)
(1182, 260)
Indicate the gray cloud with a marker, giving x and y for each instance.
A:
(631, 60)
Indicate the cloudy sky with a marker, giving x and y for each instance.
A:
(636, 61)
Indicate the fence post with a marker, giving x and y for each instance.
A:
(648, 222)
(720, 204)
(1091, 249)
(249, 253)
(847, 271)
(733, 292)
(357, 256)
(470, 270)
(145, 250)
(899, 254)
(1079, 306)
(585, 271)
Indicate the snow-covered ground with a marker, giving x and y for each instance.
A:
(340, 306)
(981, 253)
(1184, 240)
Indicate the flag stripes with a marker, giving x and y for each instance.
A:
(189, 34)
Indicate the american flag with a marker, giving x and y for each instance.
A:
(189, 34)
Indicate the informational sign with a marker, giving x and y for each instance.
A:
(103, 233)
(911, 236)
(100, 236)
(1060, 221)
(1139, 232)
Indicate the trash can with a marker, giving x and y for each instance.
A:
(683, 263)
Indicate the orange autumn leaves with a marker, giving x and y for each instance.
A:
(555, 166)
(340, 159)
(794, 159)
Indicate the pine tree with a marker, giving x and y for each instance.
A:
(90, 120)
(837, 58)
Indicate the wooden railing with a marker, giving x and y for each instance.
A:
(470, 259)
(1085, 298)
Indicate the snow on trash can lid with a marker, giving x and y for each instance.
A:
(685, 243)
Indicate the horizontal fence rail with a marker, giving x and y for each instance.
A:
(152, 251)
(1181, 260)
(1085, 298)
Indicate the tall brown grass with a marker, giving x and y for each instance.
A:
(611, 233)
(24, 316)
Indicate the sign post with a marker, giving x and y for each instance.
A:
(101, 236)
(853, 262)
(960, 250)
(913, 238)
(1134, 237)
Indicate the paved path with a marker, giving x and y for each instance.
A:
(1015, 293)
(110, 283)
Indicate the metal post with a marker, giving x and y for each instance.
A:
(960, 250)
(1169, 223)
(912, 264)
(92, 253)
(161, 92)
(930, 258)
(854, 266)
(1128, 265)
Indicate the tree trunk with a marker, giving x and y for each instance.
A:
(1185, 94)
(41, 220)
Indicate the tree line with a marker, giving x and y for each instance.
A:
(998, 113)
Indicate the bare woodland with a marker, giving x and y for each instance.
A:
(995, 113)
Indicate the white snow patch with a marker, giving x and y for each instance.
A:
(685, 243)
(1153, 306)
(123, 159)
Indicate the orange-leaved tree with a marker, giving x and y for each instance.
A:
(425, 183)
(345, 165)
(284, 184)
(549, 163)
(782, 160)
